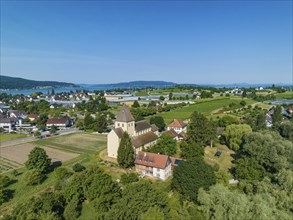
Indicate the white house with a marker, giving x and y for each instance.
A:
(153, 165)
(177, 125)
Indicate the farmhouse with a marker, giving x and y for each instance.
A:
(178, 126)
(153, 165)
(143, 135)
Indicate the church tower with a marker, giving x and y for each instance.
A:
(125, 121)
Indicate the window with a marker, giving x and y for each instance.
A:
(118, 124)
(158, 175)
(158, 169)
(122, 125)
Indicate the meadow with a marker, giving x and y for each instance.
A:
(206, 107)
(285, 95)
(9, 137)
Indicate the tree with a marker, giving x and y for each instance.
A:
(191, 175)
(243, 103)
(200, 130)
(277, 116)
(190, 150)
(33, 177)
(37, 133)
(162, 98)
(165, 145)
(79, 123)
(53, 129)
(127, 178)
(153, 213)
(265, 153)
(101, 124)
(41, 122)
(234, 134)
(135, 104)
(88, 120)
(170, 96)
(244, 94)
(136, 199)
(159, 122)
(125, 157)
(227, 120)
(39, 160)
(260, 122)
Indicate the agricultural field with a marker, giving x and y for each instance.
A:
(60, 148)
(9, 137)
(205, 107)
(285, 95)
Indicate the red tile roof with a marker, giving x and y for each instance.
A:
(177, 123)
(152, 160)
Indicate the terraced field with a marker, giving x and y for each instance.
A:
(60, 148)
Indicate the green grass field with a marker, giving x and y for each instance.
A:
(285, 95)
(75, 143)
(9, 137)
(203, 106)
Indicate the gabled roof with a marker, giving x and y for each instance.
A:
(152, 160)
(124, 115)
(142, 125)
(118, 131)
(57, 121)
(171, 133)
(143, 139)
(154, 128)
(35, 116)
(177, 123)
(5, 120)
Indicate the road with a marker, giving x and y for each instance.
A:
(29, 139)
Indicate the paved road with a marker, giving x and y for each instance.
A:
(29, 139)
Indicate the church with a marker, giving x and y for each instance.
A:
(142, 134)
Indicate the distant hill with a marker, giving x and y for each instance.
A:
(7, 82)
(133, 84)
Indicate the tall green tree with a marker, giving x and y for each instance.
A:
(159, 122)
(277, 116)
(88, 120)
(39, 160)
(191, 175)
(135, 104)
(234, 134)
(165, 145)
(101, 123)
(200, 130)
(190, 150)
(125, 157)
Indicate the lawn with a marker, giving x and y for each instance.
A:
(285, 95)
(203, 106)
(9, 137)
(224, 161)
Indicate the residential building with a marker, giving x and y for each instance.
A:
(141, 134)
(153, 165)
(178, 126)
(58, 122)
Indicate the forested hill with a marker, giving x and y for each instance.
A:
(7, 82)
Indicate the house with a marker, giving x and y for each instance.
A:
(153, 165)
(175, 135)
(155, 129)
(4, 108)
(58, 122)
(178, 126)
(33, 117)
(17, 114)
(6, 124)
(140, 132)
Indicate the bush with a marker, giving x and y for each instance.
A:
(61, 173)
(72, 210)
(127, 178)
(33, 177)
(78, 167)
(4, 181)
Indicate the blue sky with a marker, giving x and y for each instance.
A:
(117, 41)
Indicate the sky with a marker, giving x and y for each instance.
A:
(197, 42)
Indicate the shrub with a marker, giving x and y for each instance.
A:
(61, 173)
(127, 178)
(33, 177)
(78, 167)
